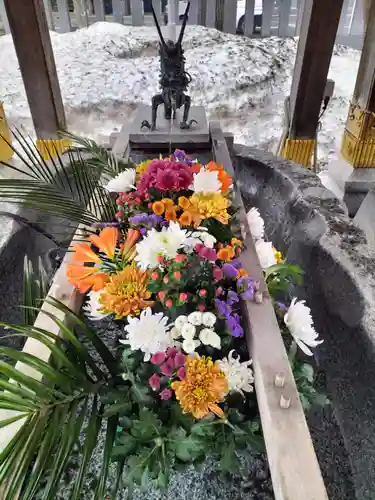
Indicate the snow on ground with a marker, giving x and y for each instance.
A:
(107, 69)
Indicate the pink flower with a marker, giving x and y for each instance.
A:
(154, 382)
(166, 394)
(158, 358)
(208, 253)
(217, 273)
(167, 368)
(171, 352)
(219, 291)
(180, 257)
(181, 373)
(165, 175)
(201, 307)
(179, 359)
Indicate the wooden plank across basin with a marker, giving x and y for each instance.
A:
(293, 464)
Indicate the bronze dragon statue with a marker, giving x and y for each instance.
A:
(174, 80)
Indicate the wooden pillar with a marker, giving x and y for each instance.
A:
(366, 11)
(358, 146)
(29, 28)
(320, 20)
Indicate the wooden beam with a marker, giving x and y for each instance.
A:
(28, 24)
(358, 145)
(320, 20)
(294, 468)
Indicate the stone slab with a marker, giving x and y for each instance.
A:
(358, 184)
(365, 217)
(312, 229)
(168, 131)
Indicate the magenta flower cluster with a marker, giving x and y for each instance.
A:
(165, 175)
(170, 364)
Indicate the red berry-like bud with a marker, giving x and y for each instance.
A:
(169, 303)
(165, 279)
(160, 259)
(138, 200)
(183, 297)
(154, 382)
(219, 291)
(177, 275)
(119, 201)
(119, 214)
(155, 275)
(180, 257)
(161, 295)
(203, 292)
(201, 308)
(149, 205)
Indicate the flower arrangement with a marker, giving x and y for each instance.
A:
(169, 267)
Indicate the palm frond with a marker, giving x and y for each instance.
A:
(35, 284)
(68, 186)
(57, 409)
(100, 157)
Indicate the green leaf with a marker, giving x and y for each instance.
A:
(108, 449)
(308, 372)
(127, 447)
(186, 448)
(229, 461)
(92, 430)
(141, 393)
(147, 427)
(122, 408)
(11, 420)
(235, 416)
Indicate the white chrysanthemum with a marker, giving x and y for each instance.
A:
(256, 224)
(206, 181)
(266, 254)
(189, 345)
(123, 182)
(206, 238)
(188, 331)
(208, 319)
(239, 375)
(150, 333)
(163, 243)
(180, 321)
(209, 337)
(92, 307)
(196, 318)
(300, 324)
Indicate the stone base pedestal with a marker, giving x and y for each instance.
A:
(359, 183)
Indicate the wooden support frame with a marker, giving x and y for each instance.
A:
(358, 146)
(320, 21)
(28, 24)
(293, 464)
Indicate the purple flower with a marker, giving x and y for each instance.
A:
(282, 306)
(230, 271)
(236, 263)
(223, 308)
(233, 324)
(143, 231)
(106, 224)
(232, 297)
(145, 219)
(246, 288)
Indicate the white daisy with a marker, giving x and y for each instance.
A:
(208, 319)
(123, 182)
(239, 375)
(300, 324)
(180, 321)
(196, 318)
(150, 333)
(256, 224)
(188, 331)
(189, 345)
(209, 337)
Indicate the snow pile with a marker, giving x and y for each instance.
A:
(107, 69)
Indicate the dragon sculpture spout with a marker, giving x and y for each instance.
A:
(174, 80)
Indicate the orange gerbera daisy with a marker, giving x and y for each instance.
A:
(226, 254)
(126, 293)
(203, 387)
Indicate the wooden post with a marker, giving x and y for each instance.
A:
(320, 20)
(4, 17)
(28, 24)
(99, 10)
(49, 13)
(249, 17)
(358, 145)
(366, 11)
(65, 24)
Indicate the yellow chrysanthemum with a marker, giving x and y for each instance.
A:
(203, 387)
(210, 205)
(126, 293)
